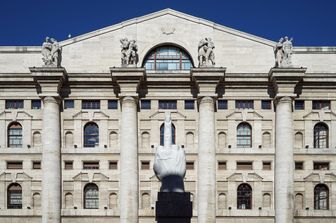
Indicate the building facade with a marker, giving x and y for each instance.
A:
(78, 138)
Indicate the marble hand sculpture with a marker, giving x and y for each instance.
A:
(170, 162)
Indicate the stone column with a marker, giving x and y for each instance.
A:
(285, 89)
(206, 170)
(128, 80)
(49, 81)
(129, 192)
(51, 161)
(207, 81)
(284, 161)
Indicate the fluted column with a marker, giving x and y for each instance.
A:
(129, 192)
(206, 171)
(284, 161)
(51, 161)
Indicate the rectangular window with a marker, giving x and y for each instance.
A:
(244, 165)
(36, 104)
(90, 104)
(69, 104)
(222, 104)
(112, 104)
(190, 165)
(91, 165)
(68, 165)
(321, 165)
(267, 165)
(266, 104)
(113, 165)
(298, 165)
(145, 165)
(36, 165)
(244, 104)
(167, 104)
(321, 104)
(299, 105)
(14, 165)
(221, 165)
(189, 104)
(14, 104)
(145, 104)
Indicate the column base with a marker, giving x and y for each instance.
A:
(173, 207)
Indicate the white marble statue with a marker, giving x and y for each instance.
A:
(129, 52)
(206, 55)
(170, 161)
(283, 52)
(51, 53)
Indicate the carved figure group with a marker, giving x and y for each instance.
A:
(129, 52)
(206, 55)
(283, 52)
(51, 53)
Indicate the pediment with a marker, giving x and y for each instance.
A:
(90, 177)
(320, 115)
(320, 177)
(244, 115)
(14, 177)
(98, 50)
(90, 115)
(160, 115)
(15, 115)
(244, 177)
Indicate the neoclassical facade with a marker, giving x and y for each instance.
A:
(79, 129)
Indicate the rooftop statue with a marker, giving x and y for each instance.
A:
(283, 52)
(170, 162)
(51, 53)
(129, 52)
(206, 55)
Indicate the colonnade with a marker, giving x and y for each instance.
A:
(207, 81)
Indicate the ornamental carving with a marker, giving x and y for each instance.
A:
(283, 52)
(129, 53)
(51, 53)
(206, 55)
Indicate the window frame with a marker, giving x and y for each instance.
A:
(90, 134)
(244, 137)
(319, 138)
(318, 198)
(90, 104)
(12, 136)
(18, 199)
(244, 197)
(94, 199)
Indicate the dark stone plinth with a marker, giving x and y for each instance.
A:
(173, 207)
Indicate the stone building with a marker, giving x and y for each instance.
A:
(78, 130)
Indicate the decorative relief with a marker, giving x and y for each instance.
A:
(283, 52)
(51, 53)
(168, 29)
(206, 55)
(129, 53)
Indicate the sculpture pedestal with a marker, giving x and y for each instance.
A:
(173, 207)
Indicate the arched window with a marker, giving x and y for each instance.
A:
(321, 135)
(244, 135)
(15, 135)
(298, 140)
(167, 58)
(244, 197)
(91, 135)
(162, 134)
(321, 197)
(91, 196)
(14, 196)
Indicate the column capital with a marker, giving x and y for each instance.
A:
(128, 80)
(284, 81)
(207, 80)
(49, 80)
(51, 99)
(206, 100)
(283, 99)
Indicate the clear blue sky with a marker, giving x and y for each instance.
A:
(27, 22)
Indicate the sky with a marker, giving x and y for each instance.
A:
(28, 22)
